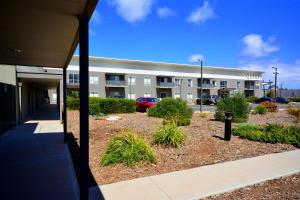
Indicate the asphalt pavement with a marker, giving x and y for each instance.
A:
(212, 108)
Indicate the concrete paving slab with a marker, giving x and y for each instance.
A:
(207, 180)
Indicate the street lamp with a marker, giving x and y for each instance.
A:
(201, 81)
(275, 73)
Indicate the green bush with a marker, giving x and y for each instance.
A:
(176, 109)
(237, 105)
(169, 135)
(251, 99)
(294, 99)
(270, 133)
(260, 109)
(104, 105)
(72, 103)
(129, 149)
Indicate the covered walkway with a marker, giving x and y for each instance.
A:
(35, 162)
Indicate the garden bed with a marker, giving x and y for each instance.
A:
(204, 145)
(282, 188)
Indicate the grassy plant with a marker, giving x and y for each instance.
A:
(203, 115)
(127, 148)
(170, 135)
(251, 99)
(260, 109)
(269, 133)
(294, 112)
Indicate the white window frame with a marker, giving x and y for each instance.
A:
(190, 82)
(223, 85)
(72, 78)
(131, 95)
(238, 84)
(131, 80)
(189, 96)
(94, 94)
(147, 81)
(94, 79)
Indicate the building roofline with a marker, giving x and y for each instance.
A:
(165, 64)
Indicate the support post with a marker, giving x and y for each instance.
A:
(65, 103)
(201, 85)
(84, 107)
(227, 134)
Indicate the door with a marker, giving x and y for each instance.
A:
(163, 95)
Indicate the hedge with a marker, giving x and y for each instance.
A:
(251, 99)
(294, 99)
(104, 105)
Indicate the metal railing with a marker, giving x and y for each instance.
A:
(166, 84)
(251, 87)
(206, 85)
(115, 83)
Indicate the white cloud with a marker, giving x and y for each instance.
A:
(195, 58)
(96, 17)
(288, 72)
(202, 14)
(133, 10)
(164, 12)
(255, 46)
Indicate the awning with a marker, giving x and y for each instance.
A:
(41, 33)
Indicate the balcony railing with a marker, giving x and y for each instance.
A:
(206, 85)
(251, 87)
(115, 83)
(166, 84)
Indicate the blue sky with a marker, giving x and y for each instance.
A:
(251, 34)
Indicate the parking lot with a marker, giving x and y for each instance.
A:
(212, 108)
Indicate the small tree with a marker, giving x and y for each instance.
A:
(237, 105)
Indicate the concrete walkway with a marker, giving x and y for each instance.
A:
(204, 181)
(34, 161)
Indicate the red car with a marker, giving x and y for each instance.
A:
(144, 103)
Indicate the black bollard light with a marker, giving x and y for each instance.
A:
(228, 118)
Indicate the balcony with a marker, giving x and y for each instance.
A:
(115, 83)
(166, 84)
(206, 86)
(251, 87)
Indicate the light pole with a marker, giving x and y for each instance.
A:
(280, 88)
(201, 81)
(275, 73)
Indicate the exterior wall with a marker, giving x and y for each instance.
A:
(141, 69)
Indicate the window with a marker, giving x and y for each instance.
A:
(190, 83)
(147, 94)
(131, 80)
(238, 84)
(73, 78)
(223, 84)
(176, 95)
(131, 96)
(94, 94)
(177, 81)
(94, 79)
(147, 81)
(189, 96)
(214, 83)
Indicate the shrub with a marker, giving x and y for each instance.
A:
(270, 133)
(237, 105)
(271, 94)
(127, 148)
(270, 106)
(72, 103)
(104, 105)
(294, 111)
(260, 109)
(73, 94)
(251, 99)
(175, 109)
(294, 99)
(169, 135)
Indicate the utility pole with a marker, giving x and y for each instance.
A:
(201, 81)
(275, 73)
(280, 88)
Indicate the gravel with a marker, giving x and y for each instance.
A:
(204, 146)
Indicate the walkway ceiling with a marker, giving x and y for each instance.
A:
(41, 33)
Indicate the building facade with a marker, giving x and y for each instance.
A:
(122, 78)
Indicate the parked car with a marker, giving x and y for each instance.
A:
(208, 99)
(282, 100)
(144, 103)
(263, 99)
